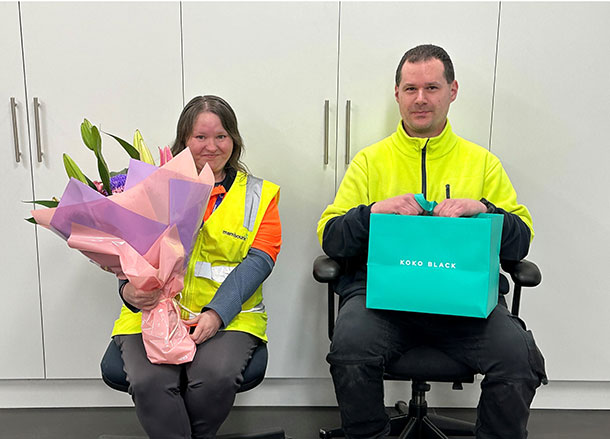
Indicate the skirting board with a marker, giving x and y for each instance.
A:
(307, 392)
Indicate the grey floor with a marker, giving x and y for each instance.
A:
(298, 422)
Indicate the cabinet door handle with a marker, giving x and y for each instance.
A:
(15, 132)
(348, 122)
(37, 124)
(326, 124)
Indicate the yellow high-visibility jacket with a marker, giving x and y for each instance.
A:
(400, 164)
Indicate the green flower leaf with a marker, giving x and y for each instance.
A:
(45, 203)
(122, 171)
(87, 135)
(102, 167)
(96, 140)
(91, 184)
(31, 220)
(73, 170)
(133, 153)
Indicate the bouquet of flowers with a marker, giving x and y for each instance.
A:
(141, 226)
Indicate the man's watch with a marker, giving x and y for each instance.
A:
(491, 208)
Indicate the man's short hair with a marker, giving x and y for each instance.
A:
(424, 53)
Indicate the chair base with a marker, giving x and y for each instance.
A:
(414, 422)
(408, 427)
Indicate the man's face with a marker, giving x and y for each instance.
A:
(424, 97)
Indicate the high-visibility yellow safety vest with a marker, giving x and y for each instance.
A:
(222, 243)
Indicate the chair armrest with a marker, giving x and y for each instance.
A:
(325, 269)
(524, 273)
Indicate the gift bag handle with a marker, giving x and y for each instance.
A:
(428, 206)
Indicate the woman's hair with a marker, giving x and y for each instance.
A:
(219, 107)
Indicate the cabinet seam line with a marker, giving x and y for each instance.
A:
(33, 187)
(182, 53)
(493, 91)
(337, 100)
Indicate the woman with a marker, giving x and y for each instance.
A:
(235, 251)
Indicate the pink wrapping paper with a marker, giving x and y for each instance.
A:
(144, 234)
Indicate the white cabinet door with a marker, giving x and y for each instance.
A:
(550, 129)
(118, 64)
(20, 325)
(374, 37)
(276, 64)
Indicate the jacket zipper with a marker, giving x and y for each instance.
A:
(423, 169)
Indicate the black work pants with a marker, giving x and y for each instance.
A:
(499, 347)
(170, 406)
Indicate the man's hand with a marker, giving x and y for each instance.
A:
(208, 323)
(139, 298)
(456, 207)
(399, 205)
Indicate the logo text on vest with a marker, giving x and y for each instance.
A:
(234, 235)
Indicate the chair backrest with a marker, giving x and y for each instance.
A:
(114, 376)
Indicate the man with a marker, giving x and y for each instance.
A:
(423, 156)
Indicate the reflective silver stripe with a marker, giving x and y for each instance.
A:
(257, 308)
(216, 273)
(203, 269)
(254, 189)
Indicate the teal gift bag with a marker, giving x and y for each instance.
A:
(433, 264)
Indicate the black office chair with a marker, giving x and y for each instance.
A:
(424, 364)
(114, 376)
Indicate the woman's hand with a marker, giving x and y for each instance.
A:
(139, 298)
(208, 323)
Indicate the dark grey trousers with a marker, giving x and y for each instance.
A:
(499, 347)
(189, 400)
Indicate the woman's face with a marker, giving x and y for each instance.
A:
(210, 143)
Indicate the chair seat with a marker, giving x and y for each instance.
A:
(425, 363)
(114, 376)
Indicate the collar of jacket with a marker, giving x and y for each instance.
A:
(436, 146)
